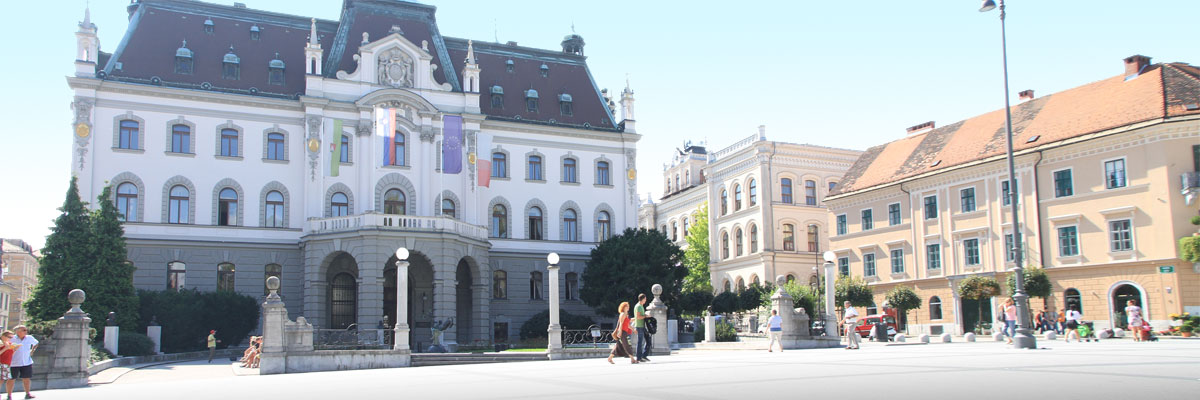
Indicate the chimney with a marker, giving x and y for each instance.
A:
(1134, 65)
(919, 128)
(1025, 95)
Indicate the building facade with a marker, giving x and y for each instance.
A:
(765, 207)
(1101, 205)
(243, 144)
(20, 262)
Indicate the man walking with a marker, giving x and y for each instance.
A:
(22, 362)
(775, 330)
(212, 344)
(639, 322)
(850, 321)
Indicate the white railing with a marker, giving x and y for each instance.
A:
(741, 144)
(399, 223)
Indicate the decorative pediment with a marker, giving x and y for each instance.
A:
(393, 61)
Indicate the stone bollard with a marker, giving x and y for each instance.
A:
(969, 337)
(660, 343)
(899, 338)
(946, 338)
(1050, 335)
(998, 337)
(154, 331)
(923, 338)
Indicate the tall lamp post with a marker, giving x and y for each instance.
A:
(830, 317)
(1023, 339)
(400, 337)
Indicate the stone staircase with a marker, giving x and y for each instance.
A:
(435, 359)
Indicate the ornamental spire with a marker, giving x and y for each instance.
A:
(470, 52)
(312, 34)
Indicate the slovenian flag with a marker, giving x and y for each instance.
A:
(452, 139)
(385, 125)
(483, 158)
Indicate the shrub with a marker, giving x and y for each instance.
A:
(98, 354)
(1189, 248)
(1195, 220)
(134, 344)
(726, 332)
(698, 333)
(1186, 328)
(803, 296)
(536, 326)
(186, 317)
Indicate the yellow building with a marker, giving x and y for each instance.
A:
(1106, 174)
(20, 276)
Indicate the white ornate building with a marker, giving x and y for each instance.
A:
(765, 206)
(244, 143)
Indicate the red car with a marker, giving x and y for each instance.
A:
(867, 323)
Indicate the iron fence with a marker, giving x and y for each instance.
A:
(587, 338)
(348, 339)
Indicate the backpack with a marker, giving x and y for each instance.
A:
(651, 325)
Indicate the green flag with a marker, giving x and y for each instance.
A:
(336, 160)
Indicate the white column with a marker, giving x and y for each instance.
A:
(831, 320)
(400, 341)
(555, 330)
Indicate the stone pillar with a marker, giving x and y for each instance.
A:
(554, 332)
(111, 336)
(400, 343)
(710, 327)
(154, 331)
(67, 352)
(831, 320)
(274, 319)
(660, 344)
(782, 303)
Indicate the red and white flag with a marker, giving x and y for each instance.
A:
(483, 158)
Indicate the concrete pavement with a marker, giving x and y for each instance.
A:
(1165, 369)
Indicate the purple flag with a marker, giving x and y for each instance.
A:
(452, 139)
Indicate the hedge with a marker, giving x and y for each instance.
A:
(186, 317)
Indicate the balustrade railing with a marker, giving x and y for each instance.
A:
(348, 339)
(397, 222)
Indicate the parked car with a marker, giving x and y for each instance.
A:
(866, 324)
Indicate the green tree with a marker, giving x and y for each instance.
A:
(68, 250)
(751, 298)
(625, 265)
(803, 296)
(695, 302)
(697, 254)
(110, 277)
(903, 298)
(979, 288)
(725, 303)
(1037, 283)
(852, 289)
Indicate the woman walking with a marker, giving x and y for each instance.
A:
(621, 334)
(1134, 314)
(1073, 317)
(1010, 319)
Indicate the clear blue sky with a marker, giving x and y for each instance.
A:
(837, 73)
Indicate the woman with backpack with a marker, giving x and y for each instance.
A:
(621, 334)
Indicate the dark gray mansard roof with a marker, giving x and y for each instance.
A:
(158, 28)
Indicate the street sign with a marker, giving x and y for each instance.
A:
(1166, 269)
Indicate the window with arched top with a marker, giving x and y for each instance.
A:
(534, 171)
(785, 190)
(229, 143)
(535, 223)
(570, 226)
(275, 210)
(935, 308)
(791, 278)
(181, 138)
(570, 170)
(737, 240)
(754, 280)
(604, 225)
(724, 245)
(1073, 300)
(753, 239)
(448, 209)
(603, 176)
(726, 287)
(499, 165)
(339, 205)
(178, 205)
(737, 197)
(227, 207)
(275, 148)
(127, 201)
(499, 284)
(499, 221)
(753, 193)
(789, 237)
(394, 202)
(674, 231)
(724, 202)
(813, 235)
(810, 193)
(226, 277)
(741, 285)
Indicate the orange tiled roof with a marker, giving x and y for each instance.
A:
(1160, 91)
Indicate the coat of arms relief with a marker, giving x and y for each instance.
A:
(395, 68)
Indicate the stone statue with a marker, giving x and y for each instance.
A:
(395, 68)
(112, 319)
(437, 328)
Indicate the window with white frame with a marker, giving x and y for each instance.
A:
(1114, 174)
(933, 256)
(1120, 233)
(897, 259)
(894, 214)
(1064, 184)
(1006, 192)
(844, 266)
(869, 264)
(971, 251)
(931, 207)
(967, 199)
(841, 224)
(867, 221)
(1068, 241)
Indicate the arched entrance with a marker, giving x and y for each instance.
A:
(1119, 297)
(463, 303)
(342, 277)
(420, 298)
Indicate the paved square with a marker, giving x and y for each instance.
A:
(1168, 369)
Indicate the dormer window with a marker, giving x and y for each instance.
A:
(497, 97)
(509, 65)
(183, 60)
(564, 104)
(208, 26)
(545, 70)
(275, 71)
(254, 32)
(531, 100)
(231, 66)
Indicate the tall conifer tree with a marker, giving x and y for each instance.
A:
(110, 278)
(67, 250)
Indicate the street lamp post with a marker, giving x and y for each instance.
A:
(400, 335)
(830, 317)
(1023, 339)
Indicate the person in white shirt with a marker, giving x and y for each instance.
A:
(22, 362)
(850, 320)
(775, 331)
(1073, 318)
(1133, 313)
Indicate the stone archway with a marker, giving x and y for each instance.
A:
(342, 294)
(420, 298)
(1119, 296)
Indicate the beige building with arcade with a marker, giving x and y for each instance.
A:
(1106, 177)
